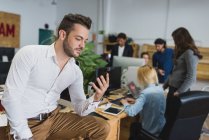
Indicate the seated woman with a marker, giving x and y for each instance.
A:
(150, 103)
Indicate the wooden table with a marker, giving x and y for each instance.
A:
(113, 120)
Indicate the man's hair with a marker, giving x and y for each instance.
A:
(122, 35)
(70, 20)
(160, 41)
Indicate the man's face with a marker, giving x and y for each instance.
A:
(75, 42)
(121, 41)
(159, 47)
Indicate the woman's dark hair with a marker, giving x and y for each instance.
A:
(70, 20)
(184, 41)
(161, 42)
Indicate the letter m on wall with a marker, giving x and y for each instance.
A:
(9, 30)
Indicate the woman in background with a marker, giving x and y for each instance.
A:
(184, 71)
(150, 103)
(146, 57)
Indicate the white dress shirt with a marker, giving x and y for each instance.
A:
(120, 50)
(34, 84)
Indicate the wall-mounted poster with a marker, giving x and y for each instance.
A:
(46, 37)
(9, 30)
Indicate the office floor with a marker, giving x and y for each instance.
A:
(125, 123)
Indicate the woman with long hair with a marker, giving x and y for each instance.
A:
(184, 71)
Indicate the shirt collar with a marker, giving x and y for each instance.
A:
(51, 53)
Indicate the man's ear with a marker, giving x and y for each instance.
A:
(62, 34)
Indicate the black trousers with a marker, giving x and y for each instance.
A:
(172, 106)
(134, 131)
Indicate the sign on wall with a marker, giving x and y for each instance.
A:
(9, 30)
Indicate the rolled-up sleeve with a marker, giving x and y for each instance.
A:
(133, 110)
(81, 105)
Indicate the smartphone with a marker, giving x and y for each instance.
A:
(113, 110)
(103, 72)
(96, 83)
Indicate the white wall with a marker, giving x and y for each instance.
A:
(146, 20)
(34, 14)
(143, 20)
(85, 7)
(90, 8)
(192, 14)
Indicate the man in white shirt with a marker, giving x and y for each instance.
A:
(38, 74)
(121, 48)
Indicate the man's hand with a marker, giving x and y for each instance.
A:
(176, 93)
(161, 72)
(127, 101)
(103, 85)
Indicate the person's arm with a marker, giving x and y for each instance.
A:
(14, 88)
(130, 53)
(168, 63)
(154, 61)
(191, 66)
(82, 105)
(134, 109)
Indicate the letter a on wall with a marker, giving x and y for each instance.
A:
(9, 30)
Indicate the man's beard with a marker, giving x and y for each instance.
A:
(68, 51)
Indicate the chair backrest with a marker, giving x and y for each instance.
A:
(192, 112)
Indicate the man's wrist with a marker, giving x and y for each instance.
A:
(97, 100)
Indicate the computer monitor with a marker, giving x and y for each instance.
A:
(9, 52)
(4, 69)
(131, 75)
(114, 76)
(125, 62)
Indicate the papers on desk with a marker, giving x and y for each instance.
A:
(105, 106)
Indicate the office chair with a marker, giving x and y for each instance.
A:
(192, 112)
